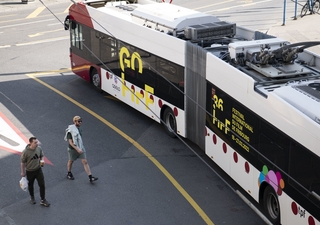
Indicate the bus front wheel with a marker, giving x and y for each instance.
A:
(95, 78)
(169, 122)
(271, 205)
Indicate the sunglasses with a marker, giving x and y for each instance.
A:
(79, 121)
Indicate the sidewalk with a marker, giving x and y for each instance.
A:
(302, 29)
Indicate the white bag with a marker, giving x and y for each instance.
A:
(24, 183)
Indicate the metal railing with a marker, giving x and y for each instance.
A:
(296, 3)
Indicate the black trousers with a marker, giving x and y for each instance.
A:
(36, 175)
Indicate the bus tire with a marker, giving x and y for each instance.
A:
(169, 122)
(95, 78)
(271, 205)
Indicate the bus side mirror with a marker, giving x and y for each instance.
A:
(67, 23)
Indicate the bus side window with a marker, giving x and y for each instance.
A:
(272, 144)
(315, 183)
(305, 168)
(76, 35)
(170, 77)
(73, 37)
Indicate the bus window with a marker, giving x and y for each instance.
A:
(76, 36)
(172, 73)
(305, 168)
(273, 145)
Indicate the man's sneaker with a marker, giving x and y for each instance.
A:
(92, 179)
(70, 176)
(44, 203)
(32, 201)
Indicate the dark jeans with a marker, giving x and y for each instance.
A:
(310, 5)
(38, 175)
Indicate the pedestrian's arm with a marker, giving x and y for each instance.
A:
(74, 146)
(23, 172)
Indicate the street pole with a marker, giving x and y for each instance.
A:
(295, 9)
(284, 12)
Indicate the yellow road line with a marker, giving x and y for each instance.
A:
(36, 12)
(112, 98)
(67, 9)
(44, 73)
(137, 145)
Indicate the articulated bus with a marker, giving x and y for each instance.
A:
(251, 101)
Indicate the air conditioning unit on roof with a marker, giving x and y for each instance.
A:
(210, 31)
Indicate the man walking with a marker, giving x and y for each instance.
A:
(30, 166)
(76, 148)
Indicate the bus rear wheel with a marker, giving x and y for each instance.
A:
(170, 123)
(271, 205)
(95, 78)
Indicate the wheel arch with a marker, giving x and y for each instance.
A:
(98, 83)
(163, 109)
(90, 72)
(267, 188)
(262, 188)
(169, 121)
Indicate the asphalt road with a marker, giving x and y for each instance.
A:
(130, 189)
(145, 177)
